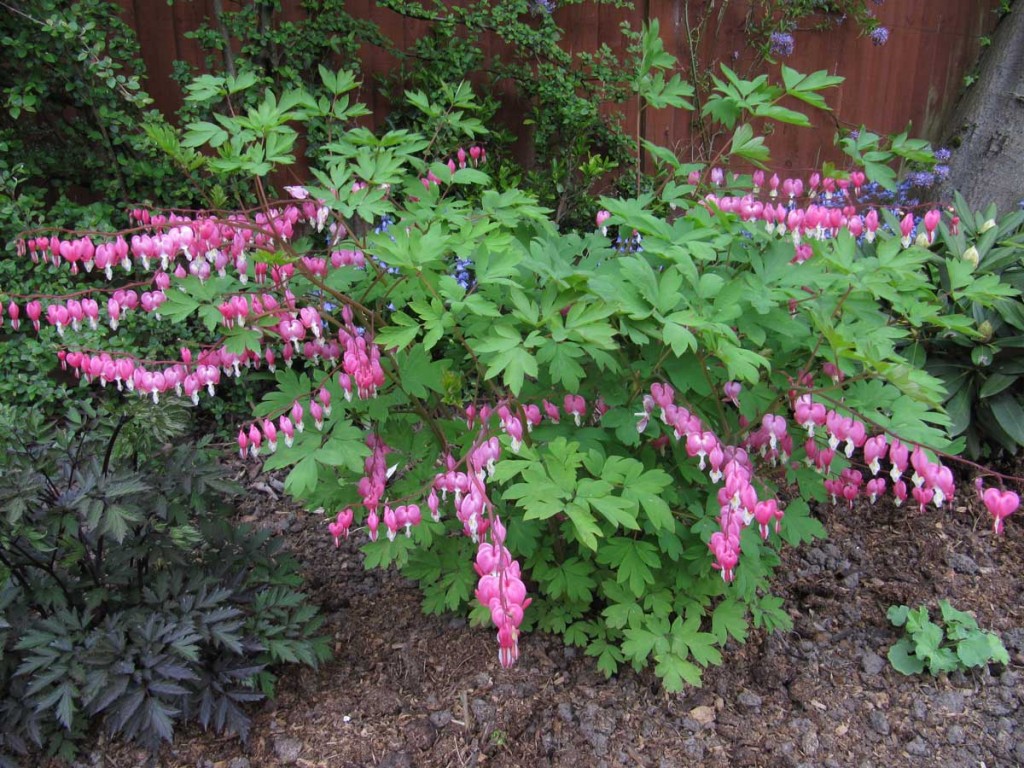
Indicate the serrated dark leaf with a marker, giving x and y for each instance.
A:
(160, 718)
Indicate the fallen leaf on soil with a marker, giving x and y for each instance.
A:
(703, 715)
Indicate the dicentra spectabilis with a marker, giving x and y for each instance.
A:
(899, 456)
(33, 311)
(255, 440)
(288, 429)
(576, 406)
(931, 221)
(317, 412)
(1000, 504)
(871, 225)
(875, 449)
(340, 526)
(906, 228)
(857, 178)
(324, 396)
(270, 433)
(875, 488)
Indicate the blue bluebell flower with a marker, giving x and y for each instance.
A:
(921, 178)
(781, 44)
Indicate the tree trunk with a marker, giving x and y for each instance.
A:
(987, 129)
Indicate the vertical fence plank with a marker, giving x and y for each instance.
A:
(188, 17)
(610, 33)
(154, 25)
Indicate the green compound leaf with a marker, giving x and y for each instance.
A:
(573, 579)
(302, 479)
(700, 645)
(798, 526)
(676, 672)
(639, 644)
(897, 614)
(634, 561)
(729, 619)
(958, 623)
(903, 660)
(979, 648)
(609, 657)
(587, 529)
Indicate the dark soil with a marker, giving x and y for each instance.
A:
(405, 690)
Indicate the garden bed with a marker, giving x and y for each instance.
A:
(409, 690)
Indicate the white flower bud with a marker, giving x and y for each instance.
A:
(971, 255)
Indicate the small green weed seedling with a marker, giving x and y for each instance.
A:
(959, 645)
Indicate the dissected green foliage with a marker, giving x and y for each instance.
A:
(957, 643)
(611, 528)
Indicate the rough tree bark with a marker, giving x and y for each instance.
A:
(987, 128)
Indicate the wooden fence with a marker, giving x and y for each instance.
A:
(914, 79)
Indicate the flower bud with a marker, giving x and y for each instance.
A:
(989, 224)
(971, 255)
(986, 330)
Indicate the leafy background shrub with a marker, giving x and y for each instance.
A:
(571, 143)
(129, 598)
(982, 370)
(72, 109)
(476, 297)
(611, 527)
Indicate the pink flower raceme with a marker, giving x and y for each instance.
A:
(501, 588)
(726, 549)
(361, 358)
(503, 592)
(932, 481)
(737, 498)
